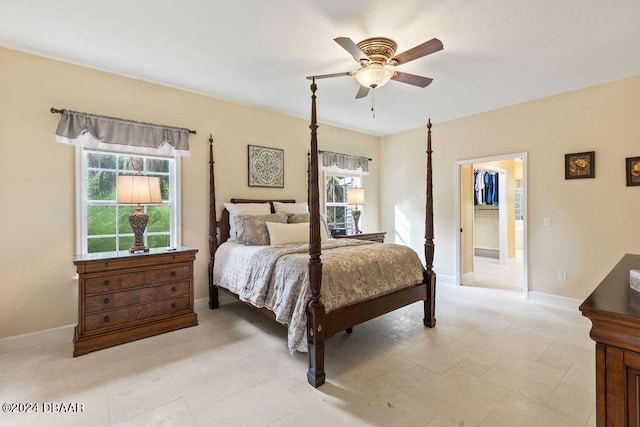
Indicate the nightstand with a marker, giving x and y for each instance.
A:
(123, 297)
(376, 236)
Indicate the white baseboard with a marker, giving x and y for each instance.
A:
(554, 300)
(444, 279)
(201, 304)
(31, 339)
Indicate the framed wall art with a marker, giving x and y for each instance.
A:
(633, 171)
(580, 165)
(266, 167)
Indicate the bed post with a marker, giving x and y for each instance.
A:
(315, 309)
(213, 229)
(429, 248)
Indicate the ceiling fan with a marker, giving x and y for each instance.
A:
(377, 61)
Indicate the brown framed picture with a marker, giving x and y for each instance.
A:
(580, 165)
(266, 167)
(633, 171)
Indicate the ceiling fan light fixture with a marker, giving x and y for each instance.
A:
(374, 75)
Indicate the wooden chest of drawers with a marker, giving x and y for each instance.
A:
(124, 297)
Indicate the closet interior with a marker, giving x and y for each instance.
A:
(492, 224)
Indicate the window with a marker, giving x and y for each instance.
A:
(338, 212)
(103, 225)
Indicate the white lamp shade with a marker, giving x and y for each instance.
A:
(374, 75)
(355, 196)
(138, 189)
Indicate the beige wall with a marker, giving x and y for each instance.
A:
(594, 221)
(37, 178)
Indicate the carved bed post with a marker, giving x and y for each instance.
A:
(315, 309)
(213, 229)
(429, 247)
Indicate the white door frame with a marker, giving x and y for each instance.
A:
(525, 257)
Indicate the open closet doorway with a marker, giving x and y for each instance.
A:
(491, 250)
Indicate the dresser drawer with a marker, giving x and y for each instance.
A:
(115, 282)
(171, 274)
(124, 298)
(123, 316)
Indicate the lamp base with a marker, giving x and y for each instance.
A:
(138, 221)
(356, 217)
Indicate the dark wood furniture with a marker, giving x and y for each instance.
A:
(124, 297)
(614, 311)
(375, 236)
(322, 325)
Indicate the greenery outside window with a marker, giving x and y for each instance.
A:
(338, 212)
(103, 224)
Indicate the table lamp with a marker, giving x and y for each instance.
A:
(138, 190)
(356, 197)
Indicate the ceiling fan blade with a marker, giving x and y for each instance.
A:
(348, 45)
(412, 79)
(362, 92)
(419, 51)
(326, 76)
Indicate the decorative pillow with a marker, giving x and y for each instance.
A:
(252, 230)
(280, 207)
(305, 217)
(244, 208)
(281, 234)
(296, 218)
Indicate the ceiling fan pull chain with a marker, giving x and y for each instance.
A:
(373, 102)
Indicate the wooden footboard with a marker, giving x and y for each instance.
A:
(347, 317)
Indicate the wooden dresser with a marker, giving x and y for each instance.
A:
(124, 297)
(614, 311)
(376, 236)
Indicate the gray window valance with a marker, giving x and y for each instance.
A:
(344, 163)
(112, 134)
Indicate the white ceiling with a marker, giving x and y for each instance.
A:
(258, 52)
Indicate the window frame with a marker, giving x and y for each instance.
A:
(357, 183)
(175, 226)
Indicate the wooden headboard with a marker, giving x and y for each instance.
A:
(223, 225)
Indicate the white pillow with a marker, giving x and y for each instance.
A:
(281, 234)
(299, 233)
(304, 217)
(244, 209)
(280, 207)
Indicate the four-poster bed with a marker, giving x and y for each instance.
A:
(324, 316)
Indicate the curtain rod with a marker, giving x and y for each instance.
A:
(361, 157)
(58, 111)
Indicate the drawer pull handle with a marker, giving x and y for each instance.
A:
(173, 274)
(174, 289)
(106, 283)
(174, 305)
(106, 300)
(106, 318)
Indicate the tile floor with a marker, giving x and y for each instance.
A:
(492, 360)
(490, 273)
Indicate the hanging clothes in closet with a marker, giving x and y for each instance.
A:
(485, 187)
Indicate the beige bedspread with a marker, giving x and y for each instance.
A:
(276, 277)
